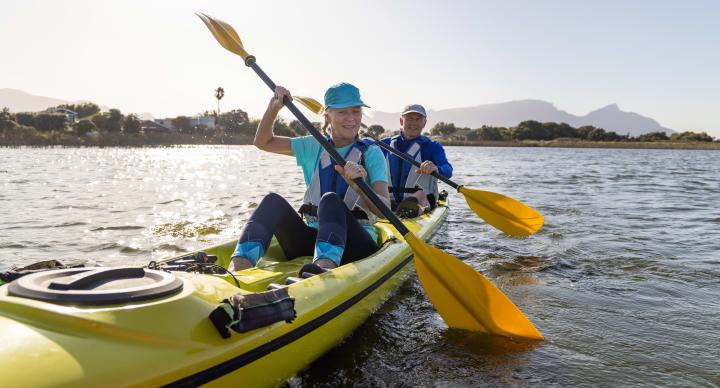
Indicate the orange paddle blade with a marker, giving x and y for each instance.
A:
(464, 298)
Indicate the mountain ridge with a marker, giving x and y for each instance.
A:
(20, 101)
(503, 114)
(510, 113)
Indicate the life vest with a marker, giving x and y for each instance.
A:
(325, 179)
(403, 178)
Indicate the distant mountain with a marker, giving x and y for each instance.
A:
(19, 101)
(613, 119)
(508, 114)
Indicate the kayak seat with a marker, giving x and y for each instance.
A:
(409, 208)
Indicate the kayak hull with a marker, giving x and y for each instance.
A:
(171, 341)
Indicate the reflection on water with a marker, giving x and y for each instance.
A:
(480, 344)
(623, 280)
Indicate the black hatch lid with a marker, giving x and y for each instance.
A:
(96, 285)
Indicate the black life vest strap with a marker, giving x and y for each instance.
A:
(362, 147)
(408, 190)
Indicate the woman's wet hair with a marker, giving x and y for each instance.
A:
(326, 124)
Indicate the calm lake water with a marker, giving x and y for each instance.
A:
(623, 280)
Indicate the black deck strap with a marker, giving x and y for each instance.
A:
(15, 272)
(292, 280)
(310, 270)
(222, 319)
(245, 312)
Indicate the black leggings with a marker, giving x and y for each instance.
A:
(337, 226)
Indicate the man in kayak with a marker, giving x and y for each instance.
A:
(339, 218)
(414, 190)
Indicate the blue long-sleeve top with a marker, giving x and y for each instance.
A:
(430, 150)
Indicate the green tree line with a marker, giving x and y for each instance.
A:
(236, 122)
(47, 126)
(535, 130)
(89, 119)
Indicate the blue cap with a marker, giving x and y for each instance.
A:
(343, 95)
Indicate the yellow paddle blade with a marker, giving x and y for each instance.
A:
(464, 298)
(314, 105)
(506, 214)
(224, 34)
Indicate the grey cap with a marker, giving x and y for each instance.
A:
(414, 108)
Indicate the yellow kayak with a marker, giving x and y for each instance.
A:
(150, 326)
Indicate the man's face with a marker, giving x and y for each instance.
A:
(412, 124)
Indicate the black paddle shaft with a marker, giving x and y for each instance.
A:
(415, 163)
(389, 215)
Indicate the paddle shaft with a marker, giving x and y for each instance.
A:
(389, 215)
(415, 163)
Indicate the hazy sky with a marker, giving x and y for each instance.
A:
(657, 58)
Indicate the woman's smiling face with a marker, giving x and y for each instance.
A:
(345, 123)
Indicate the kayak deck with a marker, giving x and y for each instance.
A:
(170, 340)
(273, 268)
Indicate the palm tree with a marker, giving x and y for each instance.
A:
(219, 94)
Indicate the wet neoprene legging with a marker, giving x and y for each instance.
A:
(339, 236)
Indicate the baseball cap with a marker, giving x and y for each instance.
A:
(343, 95)
(414, 108)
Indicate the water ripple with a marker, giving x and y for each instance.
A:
(626, 264)
(123, 227)
(61, 225)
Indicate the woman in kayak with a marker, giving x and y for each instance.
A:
(338, 216)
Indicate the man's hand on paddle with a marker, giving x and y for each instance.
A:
(427, 167)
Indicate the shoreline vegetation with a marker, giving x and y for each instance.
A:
(182, 139)
(84, 125)
(572, 143)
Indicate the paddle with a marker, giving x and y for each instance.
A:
(462, 296)
(506, 214)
